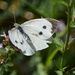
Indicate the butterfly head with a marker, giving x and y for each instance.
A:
(16, 24)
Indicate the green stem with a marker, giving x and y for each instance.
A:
(68, 26)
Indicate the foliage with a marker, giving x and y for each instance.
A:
(59, 58)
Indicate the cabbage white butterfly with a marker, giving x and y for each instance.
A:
(33, 35)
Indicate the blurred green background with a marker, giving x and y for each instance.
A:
(45, 62)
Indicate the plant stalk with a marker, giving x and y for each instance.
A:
(69, 18)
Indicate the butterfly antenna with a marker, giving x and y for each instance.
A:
(14, 16)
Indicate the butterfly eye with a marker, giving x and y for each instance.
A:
(16, 41)
(40, 33)
(44, 27)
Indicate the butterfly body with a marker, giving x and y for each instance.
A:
(33, 35)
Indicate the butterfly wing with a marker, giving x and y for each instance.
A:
(40, 27)
(20, 42)
(38, 43)
(39, 31)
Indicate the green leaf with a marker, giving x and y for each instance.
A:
(14, 72)
(9, 63)
(59, 72)
(2, 70)
(64, 3)
(50, 57)
(58, 42)
(73, 26)
(3, 50)
(62, 32)
(71, 41)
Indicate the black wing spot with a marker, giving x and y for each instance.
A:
(16, 41)
(22, 42)
(44, 27)
(40, 33)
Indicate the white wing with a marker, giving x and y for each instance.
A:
(39, 30)
(42, 28)
(38, 43)
(20, 42)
